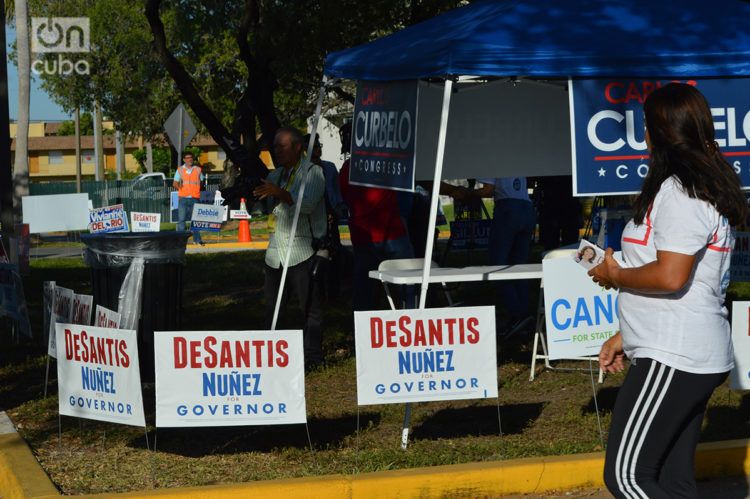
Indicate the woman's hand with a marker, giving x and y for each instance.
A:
(605, 274)
(612, 356)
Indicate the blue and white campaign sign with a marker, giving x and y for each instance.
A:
(472, 233)
(739, 377)
(98, 374)
(580, 315)
(423, 355)
(229, 378)
(108, 219)
(384, 135)
(609, 139)
(207, 217)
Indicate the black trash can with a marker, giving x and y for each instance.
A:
(109, 255)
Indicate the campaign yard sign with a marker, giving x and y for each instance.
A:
(580, 315)
(608, 136)
(207, 217)
(425, 355)
(739, 269)
(82, 309)
(472, 233)
(62, 312)
(384, 135)
(229, 378)
(108, 219)
(106, 318)
(739, 377)
(145, 222)
(98, 374)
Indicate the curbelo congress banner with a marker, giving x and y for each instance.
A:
(98, 374)
(425, 355)
(739, 269)
(608, 137)
(108, 219)
(229, 378)
(62, 312)
(580, 315)
(384, 135)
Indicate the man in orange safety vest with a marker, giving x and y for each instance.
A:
(187, 181)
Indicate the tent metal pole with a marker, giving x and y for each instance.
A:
(431, 228)
(435, 192)
(298, 202)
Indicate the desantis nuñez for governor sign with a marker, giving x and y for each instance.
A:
(229, 378)
(423, 355)
(98, 374)
(384, 135)
(608, 134)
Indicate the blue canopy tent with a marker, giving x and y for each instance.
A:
(549, 38)
(543, 40)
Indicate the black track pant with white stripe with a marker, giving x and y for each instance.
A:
(655, 429)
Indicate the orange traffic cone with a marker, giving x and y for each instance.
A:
(244, 232)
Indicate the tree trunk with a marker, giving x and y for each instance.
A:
(149, 158)
(119, 154)
(6, 176)
(77, 122)
(99, 142)
(250, 164)
(21, 164)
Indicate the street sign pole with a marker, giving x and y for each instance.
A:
(179, 147)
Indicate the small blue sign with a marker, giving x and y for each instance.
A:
(608, 133)
(108, 219)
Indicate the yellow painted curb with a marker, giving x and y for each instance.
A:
(21, 476)
(20, 473)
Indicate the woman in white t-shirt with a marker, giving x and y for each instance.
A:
(673, 323)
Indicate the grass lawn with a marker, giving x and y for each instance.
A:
(552, 415)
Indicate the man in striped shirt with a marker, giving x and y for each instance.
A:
(282, 187)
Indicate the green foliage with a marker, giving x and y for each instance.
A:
(161, 158)
(69, 128)
(294, 37)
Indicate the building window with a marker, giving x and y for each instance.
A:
(55, 157)
(220, 154)
(87, 156)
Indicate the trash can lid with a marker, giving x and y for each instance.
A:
(117, 249)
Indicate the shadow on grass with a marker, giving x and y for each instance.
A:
(22, 377)
(198, 442)
(478, 421)
(722, 422)
(605, 397)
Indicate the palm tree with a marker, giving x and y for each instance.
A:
(21, 165)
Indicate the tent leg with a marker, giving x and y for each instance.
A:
(431, 227)
(298, 205)
(435, 192)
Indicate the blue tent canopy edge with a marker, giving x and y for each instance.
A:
(558, 39)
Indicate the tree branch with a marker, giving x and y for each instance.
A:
(240, 156)
(343, 94)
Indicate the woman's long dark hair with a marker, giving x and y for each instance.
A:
(681, 136)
